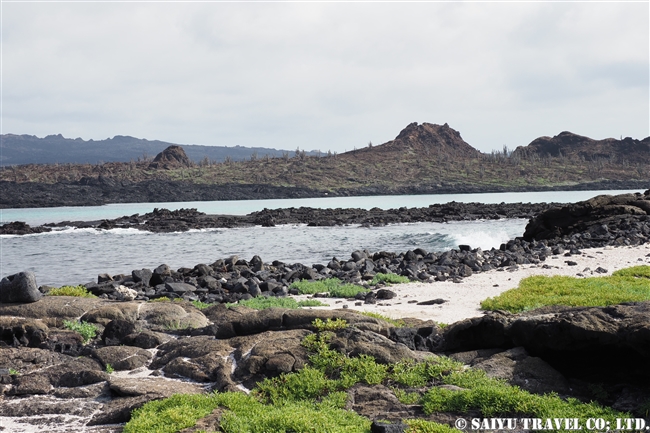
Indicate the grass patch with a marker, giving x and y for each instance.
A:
(166, 299)
(389, 279)
(635, 271)
(312, 399)
(88, 331)
(628, 285)
(78, 291)
(424, 426)
(333, 286)
(245, 413)
(263, 302)
(493, 397)
(201, 305)
(398, 323)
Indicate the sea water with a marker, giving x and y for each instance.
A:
(75, 256)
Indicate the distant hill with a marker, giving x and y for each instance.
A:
(422, 159)
(570, 145)
(29, 149)
(426, 139)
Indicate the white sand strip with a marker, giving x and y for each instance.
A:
(463, 299)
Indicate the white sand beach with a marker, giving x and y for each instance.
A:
(464, 298)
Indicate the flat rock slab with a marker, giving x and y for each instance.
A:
(152, 386)
(122, 357)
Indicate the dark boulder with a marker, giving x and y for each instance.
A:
(142, 276)
(116, 330)
(19, 288)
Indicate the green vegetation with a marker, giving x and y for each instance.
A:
(333, 286)
(329, 324)
(493, 397)
(78, 291)
(642, 271)
(626, 285)
(263, 302)
(312, 399)
(88, 331)
(109, 369)
(424, 426)
(398, 323)
(14, 372)
(200, 305)
(389, 279)
(166, 299)
(245, 414)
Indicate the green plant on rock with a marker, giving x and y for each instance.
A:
(333, 286)
(263, 302)
(397, 323)
(88, 331)
(78, 291)
(389, 279)
(201, 305)
(424, 426)
(329, 324)
(109, 369)
(14, 372)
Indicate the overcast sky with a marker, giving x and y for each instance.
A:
(328, 76)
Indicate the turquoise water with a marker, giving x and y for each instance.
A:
(37, 216)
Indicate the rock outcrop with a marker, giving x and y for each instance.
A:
(20, 287)
(172, 157)
(570, 145)
(603, 218)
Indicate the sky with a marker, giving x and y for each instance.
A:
(325, 75)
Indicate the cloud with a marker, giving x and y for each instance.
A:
(325, 75)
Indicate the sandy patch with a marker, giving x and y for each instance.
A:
(464, 298)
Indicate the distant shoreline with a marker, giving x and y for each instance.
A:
(42, 195)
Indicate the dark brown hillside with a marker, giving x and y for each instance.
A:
(576, 146)
(422, 140)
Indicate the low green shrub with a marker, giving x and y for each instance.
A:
(494, 397)
(642, 271)
(88, 331)
(424, 426)
(538, 291)
(263, 302)
(333, 286)
(246, 414)
(389, 279)
(398, 323)
(171, 414)
(329, 324)
(166, 299)
(78, 291)
(109, 369)
(201, 305)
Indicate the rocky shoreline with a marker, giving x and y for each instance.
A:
(101, 190)
(166, 221)
(53, 380)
